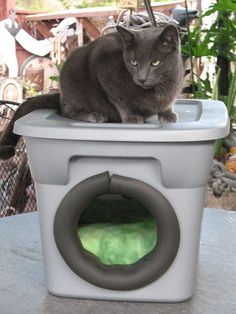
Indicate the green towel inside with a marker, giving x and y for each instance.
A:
(119, 244)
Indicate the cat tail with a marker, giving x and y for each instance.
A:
(9, 140)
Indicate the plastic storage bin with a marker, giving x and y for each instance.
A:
(163, 167)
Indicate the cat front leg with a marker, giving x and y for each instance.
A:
(133, 119)
(129, 117)
(167, 116)
(93, 117)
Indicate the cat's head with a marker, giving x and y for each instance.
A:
(150, 53)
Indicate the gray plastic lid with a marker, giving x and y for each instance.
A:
(198, 120)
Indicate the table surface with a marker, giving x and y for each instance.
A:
(22, 284)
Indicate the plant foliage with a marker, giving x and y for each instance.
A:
(213, 41)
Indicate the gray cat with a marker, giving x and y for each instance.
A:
(126, 76)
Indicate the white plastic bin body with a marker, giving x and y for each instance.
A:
(175, 159)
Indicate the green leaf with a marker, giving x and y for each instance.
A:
(212, 9)
(227, 5)
(54, 78)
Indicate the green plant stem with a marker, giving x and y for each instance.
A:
(218, 147)
(215, 89)
(232, 93)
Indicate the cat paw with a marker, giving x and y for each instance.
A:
(133, 119)
(95, 117)
(167, 117)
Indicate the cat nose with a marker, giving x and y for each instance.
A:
(142, 80)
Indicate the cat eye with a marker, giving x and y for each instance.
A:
(155, 63)
(133, 62)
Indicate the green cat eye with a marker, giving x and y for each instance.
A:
(133, 62)
(155, 63)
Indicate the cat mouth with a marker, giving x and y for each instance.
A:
(143, 85)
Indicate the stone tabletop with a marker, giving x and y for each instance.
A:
(22, 284)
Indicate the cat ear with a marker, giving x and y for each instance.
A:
(169, 37)
(125, 34)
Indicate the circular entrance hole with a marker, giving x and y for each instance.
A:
(116, 277)
(117, 230)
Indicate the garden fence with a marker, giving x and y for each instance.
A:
(17, 194)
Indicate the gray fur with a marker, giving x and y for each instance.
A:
(99, 84)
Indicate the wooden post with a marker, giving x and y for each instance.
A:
(79, 27)
(5, 6)
(90, 28)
